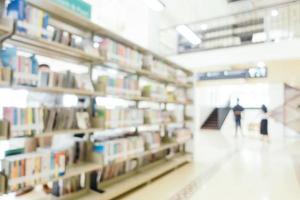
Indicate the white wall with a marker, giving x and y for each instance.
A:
(129, 18)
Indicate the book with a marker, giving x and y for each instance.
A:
(83, 120)
(119, 117)
(24, 121)
(120, 86)
(83, 81)
(31, 21)
(120, 54)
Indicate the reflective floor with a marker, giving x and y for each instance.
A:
(232, 168)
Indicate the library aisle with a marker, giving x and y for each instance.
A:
(232, 169)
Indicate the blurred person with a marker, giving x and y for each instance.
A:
(237, 112)
(264, 124)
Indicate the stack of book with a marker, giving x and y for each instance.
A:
(24, 121)
(118, 117)
(171, 116)
(182, 135)
(181, 96)
(4, 129)
(153, 116)
(34, 121)
(121, 86)
(118, 150)
(31, 21)
(25, 71)
(154, 91)
(65, 119)
(41, 166)
(120, 54)
(48, 78)
(5, 75)
(181, 76)
(158, 67)
(152, 140)
(65, 37)
(67, 186)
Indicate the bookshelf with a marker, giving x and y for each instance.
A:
(168, 154)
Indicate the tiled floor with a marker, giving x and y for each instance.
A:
(231, 168)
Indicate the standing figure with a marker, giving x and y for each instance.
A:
(264, 124)
(237, 111)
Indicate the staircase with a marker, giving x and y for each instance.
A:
(216, 119)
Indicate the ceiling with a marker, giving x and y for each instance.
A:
(187, 11)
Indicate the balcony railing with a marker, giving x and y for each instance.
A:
(268, 24)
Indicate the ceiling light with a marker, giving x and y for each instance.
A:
(188, 34)
(155, 5)
(261, 64)
(203, 27)
(274, 13)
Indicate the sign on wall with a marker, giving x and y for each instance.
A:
(255, 72)
(78, 6)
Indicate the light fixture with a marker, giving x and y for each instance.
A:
(203, 27)
(188, 34)
(261, 64)
(274, 13)
(155, 5)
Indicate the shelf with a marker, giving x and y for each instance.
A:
(143, 176)
(70, 172)
(52, 49)
(76, 20)
(59, 90)
(6, 26)
(75, 131)
(158, 78)
(93, 130)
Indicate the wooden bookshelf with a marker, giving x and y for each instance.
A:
(53, 49)
(76, 20)
(93, 130)
(70, 172)
(143, 176)
(79, 92)
(92, 59)
(6, 26)
(159, 78)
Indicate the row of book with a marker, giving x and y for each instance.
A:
(152, 140)
(67, 186)
(120, 54)
(119, 168)
(154, 91)
(35, 23)
(38, 167)
(5, 75)
(118, 117)
(31, 21)
(121, 86)
(119, 149)
(25, 69)
(24, 121)
(176, 95)
(34, 121)
(66, 38)
(181, 135)
(153, 116)
(163, 69)
(51, 79)
(4, 129)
